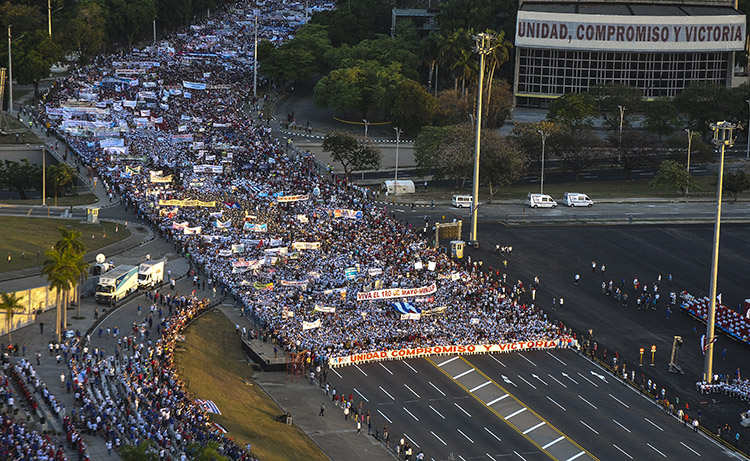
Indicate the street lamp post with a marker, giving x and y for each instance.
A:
(366, 124)
(483, 47)
(723, 138)
(395, 178)
(10, 75)
(747, 152)
(690, 144)
(622, 116)
(44, 178)
(541, 176)
(49, 17)
(255, 58)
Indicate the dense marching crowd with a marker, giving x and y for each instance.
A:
(175, 131)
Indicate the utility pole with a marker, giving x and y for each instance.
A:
(622, 116)
(541, 176)
(49, 17)
(10, 75)
(255, 58)
(483, 47)
(690, 145)
(44, 178)
(722, 137)
(366, 123)
(154, 30)
(398, 140)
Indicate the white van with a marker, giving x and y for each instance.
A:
(462, 201)
(576, 199)
(540, 200)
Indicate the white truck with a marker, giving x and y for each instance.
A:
(151, 273)
(117, 284)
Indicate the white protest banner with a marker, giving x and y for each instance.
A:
(373, 271)
(418, 266)
(179, 226)
(276, 242)
(302, 218)
(291, 198)
(238, 248)
(431, 266)
(193, 85)
(192, 230)
(325, 309)
(311, 325)
(294, 283)
(156, 177)
(306, 245)
(411, 316)
(225, 253)
(255, 227)
(347, 214)
(276, 251)
(396, 293)
(224, 225)
(424, 351)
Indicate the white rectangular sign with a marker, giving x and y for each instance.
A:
(536, 29)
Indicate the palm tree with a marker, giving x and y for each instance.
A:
(58, 268)
(80, 272)
(499, 55)
(141, 452)
(207, 452)
(10, 303)
(71, 240)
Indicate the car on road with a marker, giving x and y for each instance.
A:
(576, 199)
(540, 200)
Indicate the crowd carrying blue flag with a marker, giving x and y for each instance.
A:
(406, 308)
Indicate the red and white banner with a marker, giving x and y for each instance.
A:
(396, 293)
(536, 29)
(292, 198)
(399, 354)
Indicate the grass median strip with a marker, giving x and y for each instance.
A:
(214, 368)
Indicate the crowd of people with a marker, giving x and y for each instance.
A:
(175, 131)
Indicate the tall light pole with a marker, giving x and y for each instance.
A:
(541, 176)
(747, 152)
(395, 179)
(49, 17)
(255, 58)
(723, 138)
(364, 120)
(154, 30)
(10, 75)
(622, 116)
(44, 178)
(690, 145)
(483, 47)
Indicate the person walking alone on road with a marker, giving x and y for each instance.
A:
(577, 278)
(322, 409)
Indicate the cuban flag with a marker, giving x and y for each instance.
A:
(209, 406)
(406, 308)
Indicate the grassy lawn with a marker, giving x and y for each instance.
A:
(82, 199)
(597, 190)
(24, 137)
(247, 412)
(29, 235)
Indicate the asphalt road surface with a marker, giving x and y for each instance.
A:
(531, 405)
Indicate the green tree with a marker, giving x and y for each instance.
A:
(383, 49)
(20, 176)
(703, 104)
(207, 452)
(500, 162)
(130, 19)
(86, 32)
(577, 149)
(453, 108)
(350, 153)
(355, 20)
(71, 242)
(9, 305)
(673, 176)
(59, 178)
(480, 14)
(573, 110)
(637, 149)
(660, 116)
(609, 98)
(409, 106)
(34, 57)
(58, 268)
(144, 451)
(735, 183)
(446, 152)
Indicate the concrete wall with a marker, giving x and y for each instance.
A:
(34, 300)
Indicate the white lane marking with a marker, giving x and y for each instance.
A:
(461, 375)
(464, 459)
(459, 407)
(490, 432)
(436, 388)
(553, 442)
(621, 426)
(467, 437)
(438, 413)
(360, 394)
(384, 416)
(523, 357)
(535, 376)
(526, 381)
(622, 451)
(599, 376)
(360, 370)
(590, 404)
(496, 400)
(412, 368)
(561, 407)
(447, 362)
(534, 427)
(576, 456)
(412, 391)
(592, 429)
(551, 355)
(620, 401)
(498, 361)
(490, 456)
(337, 373)
(439, 438)
(384, 368)
(568, 376)
(591, 382)
(411, 440)
(410, 414)
(557, 381)
(654, 448)
(517, 454)
(690, 449)
(480, 386)
(515, 413)
(653, 424)
(386, 392)
(508, 381)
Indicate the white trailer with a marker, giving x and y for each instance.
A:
(117, 284)
(151, 273)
